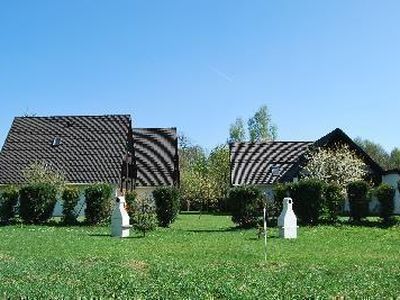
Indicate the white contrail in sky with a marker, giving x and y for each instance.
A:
(221, 74)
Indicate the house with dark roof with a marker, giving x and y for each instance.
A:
(266, 163)
(90, 149)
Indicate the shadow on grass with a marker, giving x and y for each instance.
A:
(221, 230)
(113, 237)
(256, 238)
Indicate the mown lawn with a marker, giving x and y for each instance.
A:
(199, 259)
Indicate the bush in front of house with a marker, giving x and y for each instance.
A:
(357, 194)
(246, 205)
(8, 202)
(98, 203)
(281, 191)
(333, 202)
(167, 200)
(37, 201)
(144, 217)
(70, 198)
(308, 200)
(385, 195)
(130, 199)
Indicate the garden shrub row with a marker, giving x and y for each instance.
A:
(37, 202)
(314, 201)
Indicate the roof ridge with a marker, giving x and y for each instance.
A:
(74, 116)
(271, 142)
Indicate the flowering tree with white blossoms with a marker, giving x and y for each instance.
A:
(337, 165)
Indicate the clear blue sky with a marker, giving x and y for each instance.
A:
(198, 65)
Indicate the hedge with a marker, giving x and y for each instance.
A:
(246, 205)
(37, 202)
(333, 200)
(70, 199)
(99, 203)
(8, 201)
(308, 200)
(167, 200)
(385, 195)
(357, 195)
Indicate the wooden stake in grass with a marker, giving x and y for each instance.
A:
(265, 234)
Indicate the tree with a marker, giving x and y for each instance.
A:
(41, 173)
(204, 177)
(260, 126)
(219, 174)
(395, 159)
(144, 216)
(375, 150)
(193, 166)
(237, 131)
(337, 165)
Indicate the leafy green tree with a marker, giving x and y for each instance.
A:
(237, 131)
(395, 159)
(204, 177)
(376, 151)
(144, 217)
(41, 173)
(193, 170)
(261, 127)
(219, 173)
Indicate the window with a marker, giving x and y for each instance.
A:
(276, 171)
(57, 142)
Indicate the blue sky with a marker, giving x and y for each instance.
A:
(198, 65)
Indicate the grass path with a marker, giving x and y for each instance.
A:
(199, 259)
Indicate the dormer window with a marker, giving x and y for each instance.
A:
(56, 142)
(276, 171)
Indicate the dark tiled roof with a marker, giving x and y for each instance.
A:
(92, 147)
(156, 156)
(252, 163)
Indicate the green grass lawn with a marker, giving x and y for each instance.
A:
(199, 259)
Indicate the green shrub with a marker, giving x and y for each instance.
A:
(333, 202)
(144, 217)
(130, 199)
(246, 205)
(308, 200)
(167, 205)
(70, 198)
(99, 203)
(385, 194)
(37, 202)
(357, 195)
(281, 190)
(8, 201)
